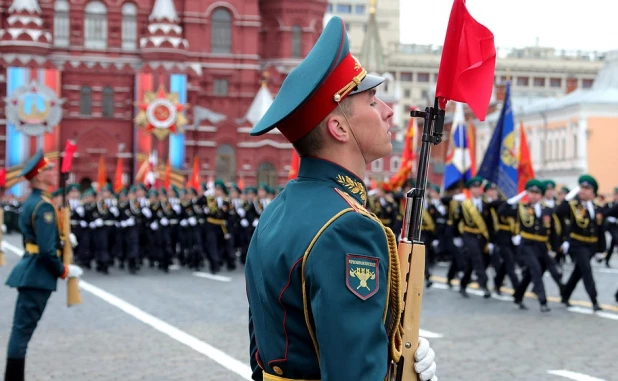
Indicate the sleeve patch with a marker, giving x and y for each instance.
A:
(48, 217)
(361, 275)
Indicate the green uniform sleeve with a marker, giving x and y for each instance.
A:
(47, 238)
(347, 277)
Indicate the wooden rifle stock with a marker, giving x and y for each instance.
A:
(411, 249)
(73, 294)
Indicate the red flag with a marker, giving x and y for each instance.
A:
(468, 62)
(525, 172)
(102, 177)
(3, 177)
(293, 173)
(241, 183)
(194, 181)
(167, 177)
(67, 161)
(118, 176)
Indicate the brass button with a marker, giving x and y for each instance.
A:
(277, 370)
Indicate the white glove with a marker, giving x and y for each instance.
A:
(73, 240)
(114, 211)
(425, 366)
(612, 219)
(154, 225)
(129, 221)
(176, 208)
(83, 224)
(3, 228)
(227, 236)
(183, 223)
(491, 248)
(244, 223)
(565, 247)
(98, 222)
(515, 199)
(75, 271)
(255, 223)
(241, 212)
(552, 254)
(459, 197)
(165, 221)
(123, 224)
(441, 209)
(599, 256)
(516, 239)
(92, 225)
(435, 243)
(192, 221)
(458, 241)
(80, 211)
(206, 210)
(117, 224)
(146, 212)
(573, 193)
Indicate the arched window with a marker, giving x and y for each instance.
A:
(95, 25)
(61, 23)
(297, 35)
(221, 31)
(108, 102)
(129, 26)
(85, 100)
(225, 163)
(267, 173)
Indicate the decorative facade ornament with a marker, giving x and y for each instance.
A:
(34, 109)
(161, 113)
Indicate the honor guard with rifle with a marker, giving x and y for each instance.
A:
(35, 276)
(323, 276)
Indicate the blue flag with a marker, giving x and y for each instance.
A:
(458, 161)
(500, 162)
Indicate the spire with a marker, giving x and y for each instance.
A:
(28, 6)
(164, 30)
(25, 26)
(372, 55)
(163, 10)
(262, 101)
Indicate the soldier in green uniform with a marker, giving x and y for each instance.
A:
(586, 236)
(322, 272)
(36, 274)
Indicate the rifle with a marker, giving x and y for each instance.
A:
(73, 294)
(411, 249)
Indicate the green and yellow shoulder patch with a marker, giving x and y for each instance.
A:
(361, 276)
(48, 217)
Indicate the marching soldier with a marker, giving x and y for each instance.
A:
(612, 227)
(36, 274)
(253, 209)
(219, 238)
(318, 261)
(103, 221)
(537, 229)
(503, 259)
(586, 236)
(166, 213)
(383, 206)
(429, 231)
(477, 237)
(129, 213)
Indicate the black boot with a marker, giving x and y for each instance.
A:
(14, 369)
(544, 307)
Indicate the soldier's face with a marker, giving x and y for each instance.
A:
(234, 194)
(586, 193)
(534, 196)
(45, 177)
(549, 194)
(476, 192)
(492, 193)
(261, 193)
(371, 121)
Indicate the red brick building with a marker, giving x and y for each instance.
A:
(103, 58)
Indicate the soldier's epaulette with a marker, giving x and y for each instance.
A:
(350, 200)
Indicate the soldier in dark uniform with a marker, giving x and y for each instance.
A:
(253, 209)
(383, 205)
(166, 213)
(129, 212)
(429, 234)
(477, 237)
(586, 236)
(453, 243)
(152, 214)
(503, 258)
(101, 241)
(218, 240)
(537, 229)
(400, 201)
(36, 274)
(319, 261)
(85, 250)
(236, 214)
(174, 217)
(612, 227)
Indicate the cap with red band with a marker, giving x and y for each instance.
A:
(35, 165)
(317, 85)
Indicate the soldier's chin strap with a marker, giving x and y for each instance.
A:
(353, 134)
